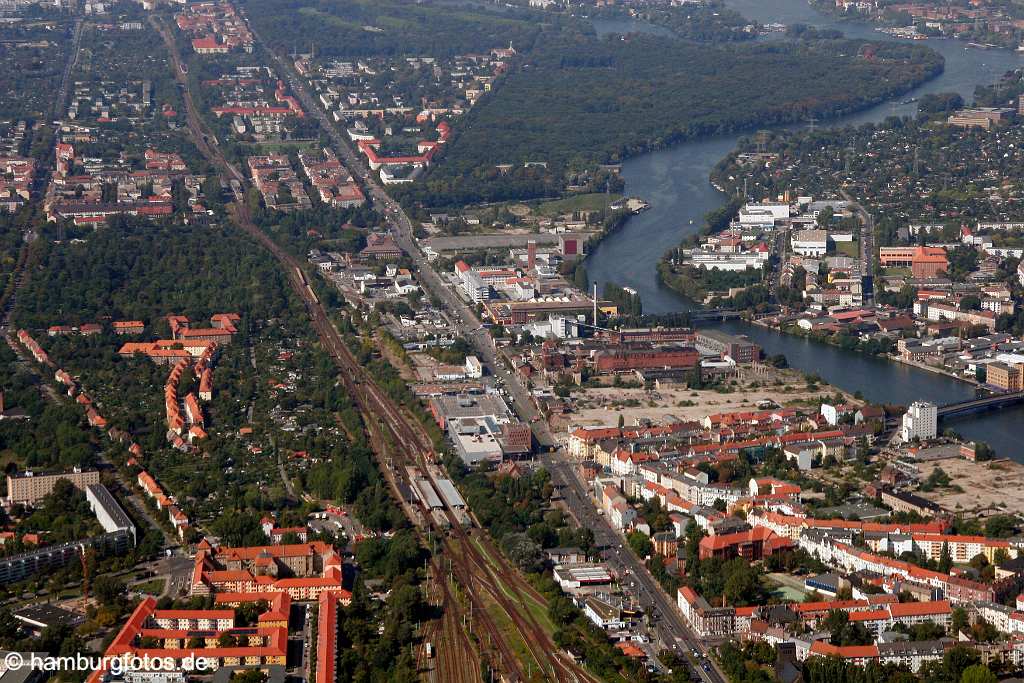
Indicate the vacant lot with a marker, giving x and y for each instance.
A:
(598, 406)
(987, 488)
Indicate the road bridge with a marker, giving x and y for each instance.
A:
(978, 404)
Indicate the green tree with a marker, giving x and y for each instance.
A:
(960, 620)
(970, 302)
(978, 673)
(107, 589)
(958, 659)
(945, 559)
(1000, 526)
(523, 551)
(249, 676)
(640, 543)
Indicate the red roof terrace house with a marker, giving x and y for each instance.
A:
(187, 636)
(302, 570)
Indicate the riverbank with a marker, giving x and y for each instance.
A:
(861, 348)
(898, 26)
(937, 371)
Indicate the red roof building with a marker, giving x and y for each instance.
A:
(752, 545)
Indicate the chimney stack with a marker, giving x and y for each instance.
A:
(531, 255)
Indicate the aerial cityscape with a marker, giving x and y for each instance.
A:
(511, 340)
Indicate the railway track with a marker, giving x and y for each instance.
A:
(454, 664)
(412, 446)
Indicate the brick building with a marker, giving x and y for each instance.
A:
(924, 262)
(624, 360)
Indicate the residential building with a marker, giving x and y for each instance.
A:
(980, 117)
(303, 571)
(902, 501)
(751, 545)
(920, 422)
(29, 488)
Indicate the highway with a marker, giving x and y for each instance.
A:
(668, 622)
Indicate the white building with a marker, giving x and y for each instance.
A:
(603, 614)
(920, 421)
(764, 214)
(716, 260)
(802, 454)
(559, 326)
(831, 413)
(475, 288)
(474, 369)
(810, 242)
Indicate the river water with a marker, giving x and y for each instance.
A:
(675, 182)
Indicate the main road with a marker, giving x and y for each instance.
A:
(399, 441)
(668, 623)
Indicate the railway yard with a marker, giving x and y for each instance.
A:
(491, 592)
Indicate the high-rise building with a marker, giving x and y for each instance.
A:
(29, 488)
(920, 421)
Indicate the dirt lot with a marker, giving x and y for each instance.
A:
(599, 406)
(988, 487)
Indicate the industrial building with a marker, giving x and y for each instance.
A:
(740, 349)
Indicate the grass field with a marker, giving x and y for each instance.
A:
(851, 249)
(284, 146)
(897, 272)
(594, 201)
(151, 587)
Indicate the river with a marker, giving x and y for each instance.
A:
(675, 182)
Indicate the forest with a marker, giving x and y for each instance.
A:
(134, 270)
(580, 101)
(364, 28)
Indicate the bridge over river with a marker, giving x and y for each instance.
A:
(978, 404)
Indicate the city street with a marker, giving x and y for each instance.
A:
(668, 622)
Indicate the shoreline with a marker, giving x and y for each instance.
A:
(881, 25)
(937, 371)
(886, 356)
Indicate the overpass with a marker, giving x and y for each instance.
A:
(978, 404)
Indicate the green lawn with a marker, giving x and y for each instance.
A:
(897, 272)
(594, 201)
(851, 249)
(151, 587)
